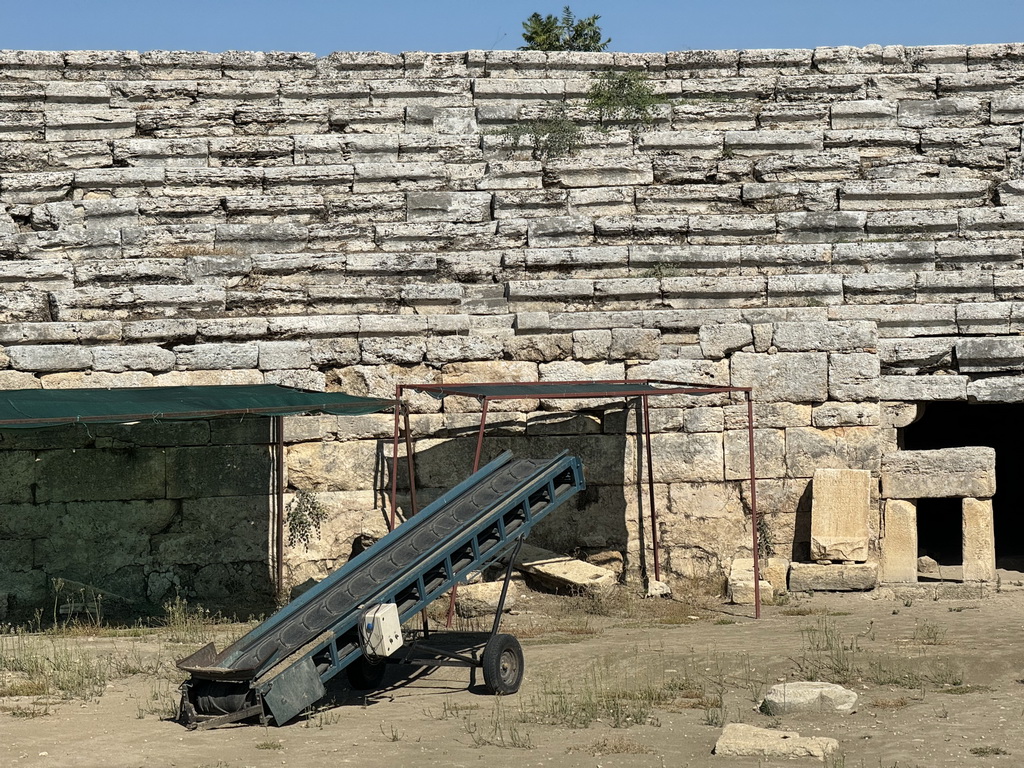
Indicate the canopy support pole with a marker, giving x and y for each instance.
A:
(650, 486)
(753, 507)
(279, 522)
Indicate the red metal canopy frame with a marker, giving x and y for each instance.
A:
(641, 390)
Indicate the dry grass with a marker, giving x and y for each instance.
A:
(614, 745)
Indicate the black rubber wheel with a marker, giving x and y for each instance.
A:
(503, 665)
(364, 675)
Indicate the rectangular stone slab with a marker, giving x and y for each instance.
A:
(944, 473)
(839, 514)
(807, 577)
(899, 546)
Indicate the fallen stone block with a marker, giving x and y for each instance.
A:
(808, 577)
(564, 572)
(738, 739)
(481, 599)
(786, 698)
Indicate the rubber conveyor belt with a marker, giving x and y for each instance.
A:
(467, 528)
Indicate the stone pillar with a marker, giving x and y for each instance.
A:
(839, 514)
(899, 547)
(979, 540)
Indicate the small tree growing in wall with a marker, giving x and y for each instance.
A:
(551, 33)
(623, 97)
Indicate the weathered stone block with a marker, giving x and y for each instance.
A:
(808, 449)
(899, 542)
(979, 540)
(807, 577)
(750, 741)
(786, 376)
(238, 470)
(88, 475)
(769, 453)
(854, 376)
(688, 457)
(942, 473)
(839, 514)
(787, 698)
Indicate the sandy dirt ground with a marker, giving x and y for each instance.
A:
(619, 683)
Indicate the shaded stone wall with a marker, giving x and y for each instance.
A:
(839, 228)
(141, 513)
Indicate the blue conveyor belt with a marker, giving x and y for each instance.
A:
(467, 528)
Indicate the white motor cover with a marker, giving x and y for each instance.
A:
(380, 630)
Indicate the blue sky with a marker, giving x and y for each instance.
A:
(453, 25)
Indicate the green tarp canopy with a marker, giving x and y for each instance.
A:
(22, 408)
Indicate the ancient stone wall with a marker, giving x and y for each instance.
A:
(840, 229)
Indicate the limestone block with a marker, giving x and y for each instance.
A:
(753, 143)
(836, 336)
(943, 112)
(635, 344)
(846, 415)
(807, 577)
(216, 356)
(449, 206)
(275, 355)
(954, 287)
(750, 741)
(895, 194)
(347, 466)
(769, 453)
(808, 449)
(741, 589)
(787, 698)
(990, 355)
(902, 321)
(783, 377)
(703, 501)
(998, 389)
(564, 572)
(605, 171)
(136, 357)
(87, 475)
(722, 339)
(979, 541)
(916, 356)
(17, 476)
(864, 113)
(923, 388)
(769, 416)
(854, 376)
(899, 544)
(238, 470)
(560, 231)
(684, 457)
(822, 226)
(839, 514)
(942, 473)
(50, 357)
(741, 228)
(1004, 221)
(482, 599)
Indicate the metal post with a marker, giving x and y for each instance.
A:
(409, 463)
(476, 466)
(504, 586)
(394, 460)
(480, 434)
(753, 507)
(640, 491)
(650, 487)
(279, 480)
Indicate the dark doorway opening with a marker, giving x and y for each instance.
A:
(954, 425)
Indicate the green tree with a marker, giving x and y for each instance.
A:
(550, 33)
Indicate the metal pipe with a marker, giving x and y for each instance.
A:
(278, 427)
(480, 434)
(394, 460)
(650, 487)
(476, 465)
(641, 536)
(753, 507)
(504, 586)
(409, 462)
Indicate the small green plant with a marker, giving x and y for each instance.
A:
(271, 745)
(552, 135)
(305, 516)
(929, 633)
(624, 98)
(393, 735)
(988, 751)
(827, 655)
